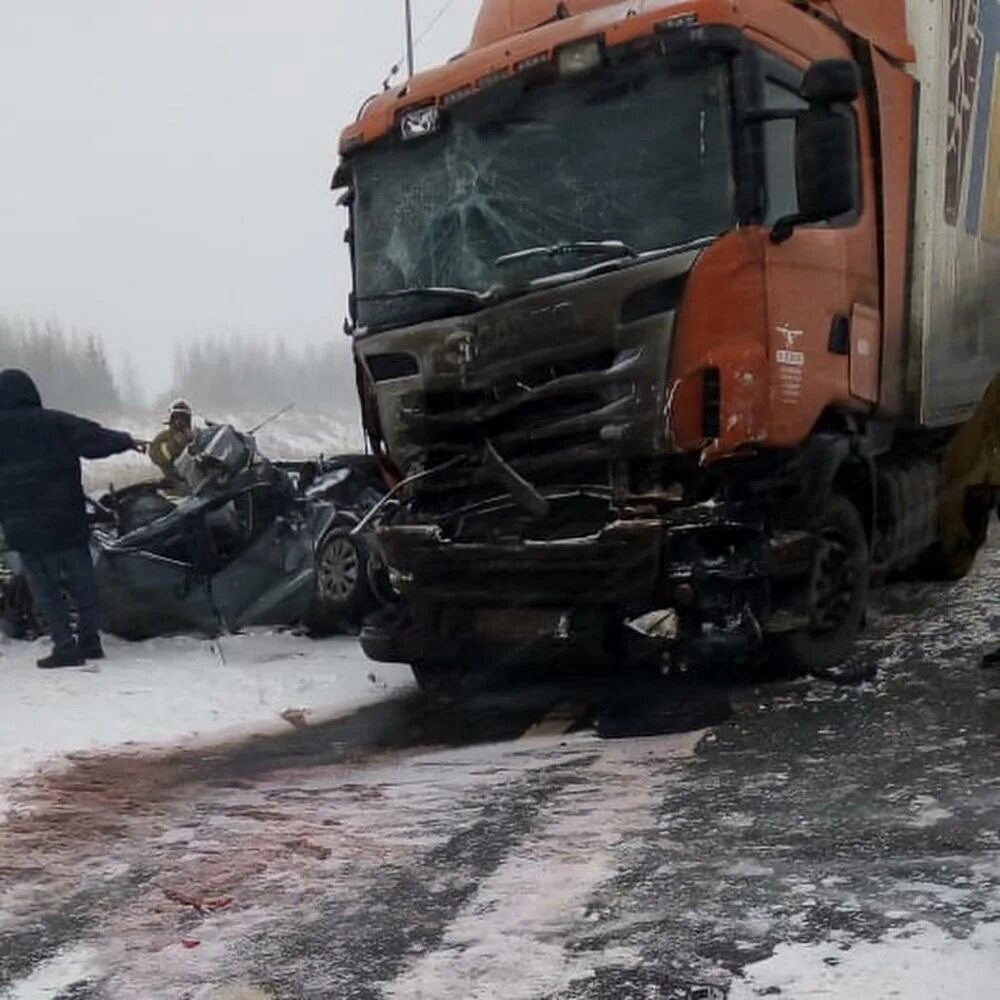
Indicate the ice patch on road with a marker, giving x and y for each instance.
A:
(174, 690)
(917, 962)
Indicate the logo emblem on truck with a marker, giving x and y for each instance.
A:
(418, 122)
(792, 337)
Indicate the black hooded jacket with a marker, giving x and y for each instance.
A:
(42, 507)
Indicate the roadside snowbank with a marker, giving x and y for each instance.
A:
(177, 690)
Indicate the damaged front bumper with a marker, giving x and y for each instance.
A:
(695, 585)
(614, 565)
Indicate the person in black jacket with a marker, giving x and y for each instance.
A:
(43, 510)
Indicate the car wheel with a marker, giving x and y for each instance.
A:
(343, 592)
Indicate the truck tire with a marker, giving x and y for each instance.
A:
(837, 593)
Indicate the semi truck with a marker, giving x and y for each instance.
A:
(665, 314)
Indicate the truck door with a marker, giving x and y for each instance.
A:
(823, 302)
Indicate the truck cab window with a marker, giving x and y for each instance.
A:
(778, 140)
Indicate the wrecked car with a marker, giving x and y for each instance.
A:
(351, 579)
(244, 541)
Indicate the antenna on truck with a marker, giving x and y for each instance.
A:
(409, 37)
(411, 42)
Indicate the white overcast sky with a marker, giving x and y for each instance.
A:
(165, 164)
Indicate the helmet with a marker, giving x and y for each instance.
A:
(179, 407)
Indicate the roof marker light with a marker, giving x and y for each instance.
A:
(579, 58)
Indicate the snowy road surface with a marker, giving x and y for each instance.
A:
(814, 842)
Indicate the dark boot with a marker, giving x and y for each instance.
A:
(61, 658)
(91, 649)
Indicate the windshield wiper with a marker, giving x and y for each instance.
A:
(609, 249)
(466, 295)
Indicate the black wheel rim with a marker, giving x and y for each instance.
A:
(834, 584)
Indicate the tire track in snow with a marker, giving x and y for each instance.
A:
(515, 934)
(66, 825)
(369, 926)
(825, 814)
(324, 864)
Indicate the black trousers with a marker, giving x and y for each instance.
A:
(73, 569)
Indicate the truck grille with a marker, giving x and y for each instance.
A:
(539, 415)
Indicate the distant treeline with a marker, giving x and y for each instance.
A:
(219, 376)
(70, 369)
(236, 373)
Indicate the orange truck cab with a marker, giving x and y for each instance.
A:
(664, 314)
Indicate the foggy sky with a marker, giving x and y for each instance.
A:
(165, 164)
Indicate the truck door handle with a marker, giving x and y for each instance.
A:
(840, 335)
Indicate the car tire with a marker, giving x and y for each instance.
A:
(343, 592)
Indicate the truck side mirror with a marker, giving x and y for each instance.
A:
(826, 169)
(826, 146)
(826, 165)
(831, 81)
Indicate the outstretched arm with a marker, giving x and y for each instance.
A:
(90, 440)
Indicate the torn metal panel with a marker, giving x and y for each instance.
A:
(557, 378)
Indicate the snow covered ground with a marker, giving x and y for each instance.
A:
(823, 841)
(177, 691)
(916, 962)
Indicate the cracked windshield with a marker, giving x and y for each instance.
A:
(640, 155)
(498, 500)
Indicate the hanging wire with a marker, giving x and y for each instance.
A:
(432, 24)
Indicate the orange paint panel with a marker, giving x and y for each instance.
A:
(501, 19)
(725, 332)
(813, 279)
(612, 21)
(506, 33)
(882, 22)
(865, 353)
(618, 23)
(790, 32)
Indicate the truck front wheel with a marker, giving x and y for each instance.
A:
(836, 592)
